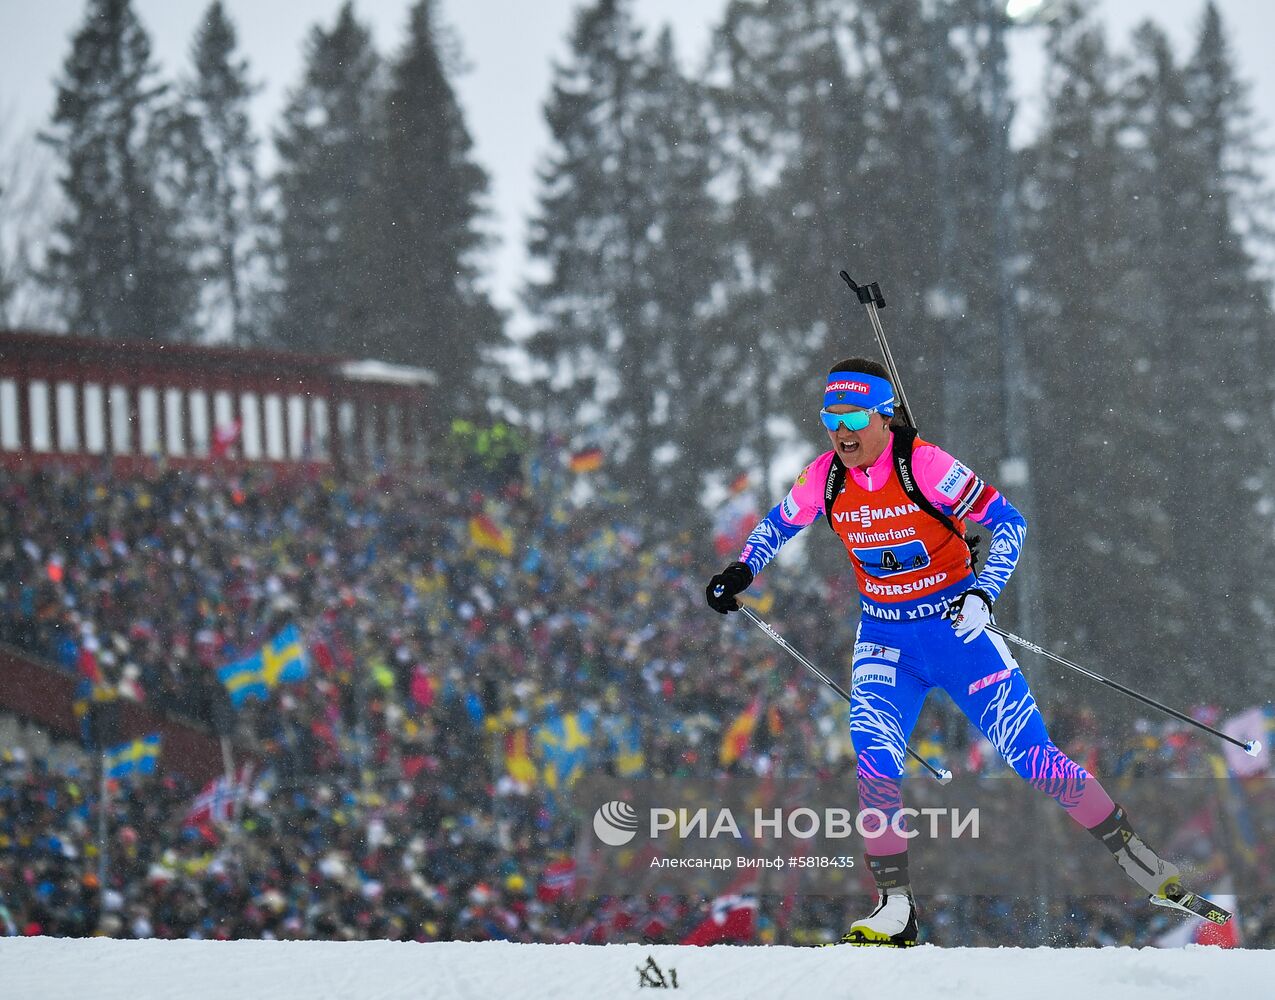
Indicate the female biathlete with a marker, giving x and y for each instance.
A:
(924, 615)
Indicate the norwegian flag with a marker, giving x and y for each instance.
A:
(216, 803)
(558, 881)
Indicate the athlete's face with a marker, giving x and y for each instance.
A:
(859, 449)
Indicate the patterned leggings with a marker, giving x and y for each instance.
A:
(896, 664)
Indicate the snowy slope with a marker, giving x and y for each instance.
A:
(49, 969)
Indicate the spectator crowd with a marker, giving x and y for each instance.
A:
(406, 789)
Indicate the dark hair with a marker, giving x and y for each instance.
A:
(867, 366)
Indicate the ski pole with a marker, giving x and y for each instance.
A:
(872, 299)
(1250, 747)
(942, 775)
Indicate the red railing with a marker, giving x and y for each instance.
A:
(44, 694)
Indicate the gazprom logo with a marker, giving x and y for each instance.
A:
(615, 823)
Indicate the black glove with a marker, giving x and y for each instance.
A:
(722, 588)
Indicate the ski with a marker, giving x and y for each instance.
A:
(1188, 902)
(859, 942)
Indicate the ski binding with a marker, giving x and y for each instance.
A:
(1177, 898)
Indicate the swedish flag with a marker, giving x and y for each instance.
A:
(629, 759)
(129, 759)
(243, 679)
(564, 743)
(281, 659)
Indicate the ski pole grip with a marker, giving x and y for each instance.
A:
(1253, 747)
(869, 295)
(864, 292)
(945, 776)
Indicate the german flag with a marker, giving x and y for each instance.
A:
(589, 460)
(484, 533)
(518, 760)
(740, 734)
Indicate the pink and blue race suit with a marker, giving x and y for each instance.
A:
(909, 567)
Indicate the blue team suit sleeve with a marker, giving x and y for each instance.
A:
(958, 492)
(802, 505)
(765, 540)
(1009, 531)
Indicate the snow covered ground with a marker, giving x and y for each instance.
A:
(49, 969)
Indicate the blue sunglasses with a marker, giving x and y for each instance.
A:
(855, 420)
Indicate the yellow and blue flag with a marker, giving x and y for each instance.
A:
(629, 759)
(138, 757)
(564, 745)
(243, 680)
(280, 660)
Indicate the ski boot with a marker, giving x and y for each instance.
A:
(1158, 877)
(893, 923)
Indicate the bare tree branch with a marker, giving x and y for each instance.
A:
(28, 201)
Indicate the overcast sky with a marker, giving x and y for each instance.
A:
(509, 45)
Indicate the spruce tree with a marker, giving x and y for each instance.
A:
(621, 236)
(582, 236)
(424, 214)
(1164, 354)
(326, 148)
(1233, 199)
(1233, 301)
(1077, 239)
(928, 186)
(674, 383)
(223, 200)
(118, 255)
(1190, 544)
(860, 137)
(787, 119)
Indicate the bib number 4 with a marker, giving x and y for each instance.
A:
(889, 560)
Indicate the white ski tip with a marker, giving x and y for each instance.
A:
(945, 777)
(1253, 748)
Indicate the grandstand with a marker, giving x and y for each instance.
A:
(74, 399)
(167, 516)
